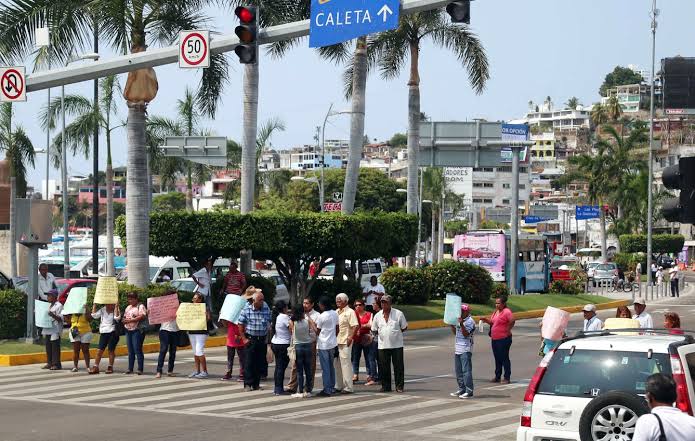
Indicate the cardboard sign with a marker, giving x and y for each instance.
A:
(107, 291)
(231, 308)
(452, 309)
(621, 323)
(77, 299)
(162, 309)
(554, 323)
(191, 317)
(41, 317)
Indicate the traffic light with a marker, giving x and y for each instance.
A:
(680, 177)
(247, 50)
(460, 11)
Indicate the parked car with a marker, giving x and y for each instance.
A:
(665, 261)
(605, 272)
(281, 291)
(367, 269)
(592, 386)
(561, 269)
(66, 285)
(590, 268)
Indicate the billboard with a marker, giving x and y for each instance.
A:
(678, 82)
(460, 181)
(486, 249)
(515, 132)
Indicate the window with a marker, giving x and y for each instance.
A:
(477, 184)
(477, 201)
(523, 169)
(488, 185)
(522, 186)
(548, 153)
(487, 201)
(488, 169)
(505, 201)
(183, 272)
(506, 185)
(505, 169)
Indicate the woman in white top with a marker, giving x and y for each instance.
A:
(168, 342)
(280, 342)
(108, 315)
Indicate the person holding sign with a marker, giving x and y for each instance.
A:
(80, 336)
(168, 342)
(198, 338)
(107, 315)
(53, 333)
(134, 313)
(463, 352)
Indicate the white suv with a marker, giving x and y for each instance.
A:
(591, 387)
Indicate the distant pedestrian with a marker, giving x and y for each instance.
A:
(198, 339)
(312, 315)
(80, 335)
(659, 276)
(672, 321)
(674, 276)
(591, 321)
(623, 312)
(638, 271)
(653, 271)
(134, 313)
(463, 352)
(254, 324)
(327, 325)
(52, 334)
(300, 329)
(390, 324)
(168, 343)
(107, 315)
(665, 422)
(280, 331)
(372, 292)
(501, 323)
(641, 315)
(234, 282)
(347, 327)
(47, 282)
(235, 345)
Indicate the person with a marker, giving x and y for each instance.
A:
(80, 335)
(390, 324)
(280, 330)
(672, 321)
(621, 277)
(501, 323)
(643, 317)
(134, 313)
(234, 281)
(374, 347)
(591, 321)
(203, 281)
(653, 270)
(622, 312)
(47, 282)
(659, 276)
(168, 342)
(363, 341)
(198, 339)
(235, 345)
(301, 327)
(638, 271)
(665, 422)
(347, 326)
(674, 276)
(313, 268)
(312, 315)
(52, 334)
(463, 351)
(107, 315)
(374, 290)
(327, 324)
(254, 324)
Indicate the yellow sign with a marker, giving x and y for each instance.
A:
(107, 291)
(621, 323)
(191, 317)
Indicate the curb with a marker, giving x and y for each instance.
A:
(150, 348)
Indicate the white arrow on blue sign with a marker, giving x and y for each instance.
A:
(336, 21)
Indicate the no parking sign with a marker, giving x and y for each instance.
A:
(194, 49)
(12, 84)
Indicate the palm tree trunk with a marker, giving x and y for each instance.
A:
(602, 220)
(413, 136)
(248, 150)
(110, 266)
(137, 203)
(433, 242)
(13, 226)
(440, 237)
(620, 216)
(359, 87)
(189, 189)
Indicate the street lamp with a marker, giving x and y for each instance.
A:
(650, 178)
(64, 168)
(323, 146)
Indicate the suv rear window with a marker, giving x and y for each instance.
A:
(588, 373)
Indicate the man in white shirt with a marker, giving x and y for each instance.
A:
(644, 318)
(47, 281)
(673, 274)
(390, 324)
(665, 419)
(374, 290)
(312, 315)
(591, 322)
(326, 343)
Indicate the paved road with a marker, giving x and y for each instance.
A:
(38, 405)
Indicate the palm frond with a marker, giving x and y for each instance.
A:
(469, 51)
(74, 105)
(212, 83)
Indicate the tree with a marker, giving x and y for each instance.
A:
(572, 103)
(19, 152)
(174, 201)
(267, 130)
(613, 109)
(599, 115)
(399, 140)
(620, 76)
(375, 191)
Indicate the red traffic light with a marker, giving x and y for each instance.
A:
(245, 14)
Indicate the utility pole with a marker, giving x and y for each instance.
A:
(95, 166)
(514, 239)
(650, 184)
(323, 155)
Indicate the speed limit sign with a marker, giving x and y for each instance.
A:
(194, 49)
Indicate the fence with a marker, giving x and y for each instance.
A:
(637, 289)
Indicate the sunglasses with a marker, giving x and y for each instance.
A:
(359, 304)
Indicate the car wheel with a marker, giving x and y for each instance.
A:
(612, 415)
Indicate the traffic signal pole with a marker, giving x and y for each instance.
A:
(650, 179)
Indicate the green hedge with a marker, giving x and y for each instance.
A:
(628, 261)
(471, 282)
(330, 289)
(13, 314)
(661, 243)
(408, 286)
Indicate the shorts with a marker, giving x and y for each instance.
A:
(110, 340)
(198, 343)
(85, 338)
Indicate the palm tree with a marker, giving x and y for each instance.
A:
(267, 130)
(19, 152)
(613, 109)
(572, 103)
(599, 115)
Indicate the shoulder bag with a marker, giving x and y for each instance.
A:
(662, 435)
(291, 351)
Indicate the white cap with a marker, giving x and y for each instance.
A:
(589, 308)
(639, 301)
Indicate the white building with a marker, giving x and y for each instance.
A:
(565, 119)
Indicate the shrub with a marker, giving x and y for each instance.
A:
(566, 287)
(330, 289)
(499, 290)
(471, 282)
(407, 286)
(628, 261)
(661, 243)
(13, 314)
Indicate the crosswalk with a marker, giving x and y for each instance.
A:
(399, 415)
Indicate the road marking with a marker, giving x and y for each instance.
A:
(341, 407)
(53, 376)
(293, 404)
(389, 410)
(235, 402)
(514, 385)
(463, 422)
(136, 391)
(416, 348)
(490, 434)
(404, 421)
(9, 374)
(69, 384)
(117, 383)
(415, 380)
(203, 389)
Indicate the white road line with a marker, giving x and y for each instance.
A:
(366, 404)
(454, 410)
(116, 383)
(415, 380)
(464, 422)
(7, 376)
(389, 411)
(21, 379)
(236, 402)
(136, 390)
(68, 385)
(182, 403)
(204, 388)
(491, 434)
(294, 404)
(416, 348)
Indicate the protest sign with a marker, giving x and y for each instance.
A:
(191, 317)
(554, 323)
(107, 291)
(41, 317)
(621, 323)
(231, 308)
(162, 309)
(77, 299)
(452, 309)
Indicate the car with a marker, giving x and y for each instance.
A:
(561, 269)
(592, 386)
(605, 273)
(66, 285)
(590, 268)
(281, 291)
(186, 284)
(664, 261)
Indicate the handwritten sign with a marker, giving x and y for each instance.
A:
(191, 317)
(41, 317)
(107, 291)
(621, 323)
(77, 299)
(452, 309)
(162, 309)
(231, 308)
(554, 323)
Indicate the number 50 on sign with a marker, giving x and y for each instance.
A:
(194, 49)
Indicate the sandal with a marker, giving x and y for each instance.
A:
(74, 369)
(159, 375)
(109, 370)
(93, 370)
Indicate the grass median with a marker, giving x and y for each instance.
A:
(434, 309)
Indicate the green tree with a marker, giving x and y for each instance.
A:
(620, 76)
(174, 201)
(572, 103)
(399, 140)
(599, 115)
(375, 191)
(613, 109)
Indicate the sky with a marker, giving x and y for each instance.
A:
(536, 48)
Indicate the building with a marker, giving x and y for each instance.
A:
(336, 144)
(631, 97)
(543, 149)
(557, 120)
(491, 186)
(86, 194)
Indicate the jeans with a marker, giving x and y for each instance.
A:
(134, 339)
(255, 358)
(167, 343)
(292, 385)
(500, 349)
(327, 370)
(464, 372)
(357, 350)
(303, 360)
(675, 288)
(373, 358)
(282, 360)
(231, 351)
(52, 352)
(386, 358)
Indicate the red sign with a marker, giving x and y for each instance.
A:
(12, 84)
(332, 206)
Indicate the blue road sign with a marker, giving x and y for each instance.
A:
(335, 21)
(535, 219)
(584, 212)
